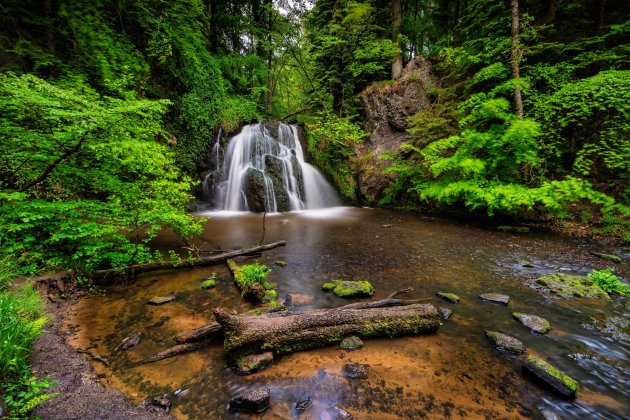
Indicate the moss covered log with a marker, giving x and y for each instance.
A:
(288, 332)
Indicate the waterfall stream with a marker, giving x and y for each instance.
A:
(262, 172)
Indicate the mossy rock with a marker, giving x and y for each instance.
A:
(608, 257)
(348, 288)
(542, 370)
(351, 343)
(281, 263)
(566, 286)
(450, 297)
(208, 284)
(253, 363)
(505, 342)
(533, 322)
(513, 229)
(270, 296)
(160, 300)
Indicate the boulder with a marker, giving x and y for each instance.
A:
(347, 288)
(129, 342)
(607, 257)
(255, 400)
(550, 376)
(351, 343)
(355, 371)
(161, 401)
(450, 297)
(254, 363)
(505, 342)
(495, 298)
(566, 286)
(254, 189)
(533, 322)
(160, 300)
(445, 312)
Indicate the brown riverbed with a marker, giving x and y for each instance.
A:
(454, 373)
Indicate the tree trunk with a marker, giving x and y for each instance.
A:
(286, 332)
(517, 54)
(397, 65)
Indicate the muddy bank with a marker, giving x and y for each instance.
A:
(82, 396)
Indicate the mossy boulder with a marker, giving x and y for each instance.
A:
(348, 288)
(253, 363)
(351, 343)
(608, 257)
(281, 263)
(566, 286)
(533, 322)
(449, 297)
(552, 377)
(505, 342)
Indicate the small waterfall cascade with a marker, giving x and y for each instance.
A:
(261, 171)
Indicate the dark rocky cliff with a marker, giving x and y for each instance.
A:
(386, 108)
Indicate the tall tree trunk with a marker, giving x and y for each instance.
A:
(516, 60)
(397, 66)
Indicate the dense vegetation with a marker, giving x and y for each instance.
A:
(108, 108)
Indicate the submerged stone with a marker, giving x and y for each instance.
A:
(351, 343)
(533, 322)
(255, 400)
(303, 404)
(281, 263)
(445, 312)
(162, 402)
(515, 229)
(208, 284)
(254, 363)
(527, 264)
(495, 298)
(355, 371)
(615, 327)
(129, 342)
(159, 300)
(348, 288)
(608, 257)
(566, 286)
(552, 377)
(450, 297)
(505, 342)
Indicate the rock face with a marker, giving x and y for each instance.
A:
(256, 400)
(254, 363)
(386, 109)
(552, 377)
(495, 298)
(533, 322)
(355, 371)
(450, 297)
(254, 189)
(351, 343)
(505, 342)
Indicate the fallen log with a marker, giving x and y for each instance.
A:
(199, 334)
(173, 351)
(133, 270)
(286, 332)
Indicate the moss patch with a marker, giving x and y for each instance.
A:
(608, 257)
(514, 229)
(450, 297)
(208, 284)
(538, 365)
(569, 286)
(347, 288)
(281, 263)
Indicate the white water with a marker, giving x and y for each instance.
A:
(253, 149)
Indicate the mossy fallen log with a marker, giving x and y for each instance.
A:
(286, 332)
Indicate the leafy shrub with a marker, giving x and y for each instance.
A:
(255, 273)
(608, 281)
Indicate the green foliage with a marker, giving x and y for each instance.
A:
(82, 175)
(210, 282)
(608, 281)
(255, 273)
(331, 143)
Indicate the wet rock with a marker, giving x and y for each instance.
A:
(273, 166)
(351, 343)
(160, 300)
(495, 298)
(254, 190)
(527, 264)
(615, 327)
(355, 371)
(254, 363)
(303, 404)
(256, 292)
(281, 263)
(505, 342)
(347, 288)
(161, 401)
(445, 312)
(545, 415)
(608, 257)
(256, 400)
(208, 283)
(552, 377)
(181, 392)
(342, 413)
(566, 286)
(450, 297)
(513, 229)
(129, 342)
(533, 322)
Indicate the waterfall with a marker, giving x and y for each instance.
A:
(265, 172)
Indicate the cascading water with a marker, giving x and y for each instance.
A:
(262, 173)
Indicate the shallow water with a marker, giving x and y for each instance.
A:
(454, 373)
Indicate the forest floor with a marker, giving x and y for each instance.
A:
(81, 395)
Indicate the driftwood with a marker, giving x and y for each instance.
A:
(199, 334)
(133, 270)
(286, 332)
(173, 351)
